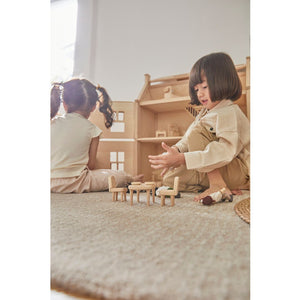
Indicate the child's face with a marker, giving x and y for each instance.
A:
(202, 92)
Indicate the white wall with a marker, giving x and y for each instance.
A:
(119, 41)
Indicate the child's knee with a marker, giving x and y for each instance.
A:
(168, 179)
(199, 138)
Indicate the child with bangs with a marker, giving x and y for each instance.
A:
(214, 153)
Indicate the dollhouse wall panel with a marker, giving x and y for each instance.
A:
(168, 90)
(181, 118)
(117, 155)
(124, 122)
(242, 103)
(145, 149)
(146, 122)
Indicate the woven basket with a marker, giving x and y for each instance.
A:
(242, 209)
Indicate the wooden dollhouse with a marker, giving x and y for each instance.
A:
(160, 113)
(117, 146)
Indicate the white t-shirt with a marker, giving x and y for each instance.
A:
(71, 137)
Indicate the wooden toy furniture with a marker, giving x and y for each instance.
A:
(173, 130)
(115, 190)
(171, 193)
(160, 133)
(153, 185)
(138, 186)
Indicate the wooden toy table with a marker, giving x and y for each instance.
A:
(138, 186)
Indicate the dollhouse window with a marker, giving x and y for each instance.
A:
(119, 122)
(114, 166)
(121, 156)
(121, 116)
(117, 161)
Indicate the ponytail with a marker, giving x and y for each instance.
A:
(55, 99)
(81, 94)
(105, 106)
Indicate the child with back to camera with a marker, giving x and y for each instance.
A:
(215, 150)
(74, 139)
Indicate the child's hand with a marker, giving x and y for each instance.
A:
(171, 159)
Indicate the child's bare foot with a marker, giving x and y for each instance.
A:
(236, 192)
(139, 177)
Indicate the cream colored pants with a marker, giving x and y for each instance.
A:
(89, 181)
(235, 174)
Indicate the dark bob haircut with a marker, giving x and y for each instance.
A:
(221, 75)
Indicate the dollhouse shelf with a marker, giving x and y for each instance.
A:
(164, 105)
(167, 139)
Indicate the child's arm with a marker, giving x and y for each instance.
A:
(93, 152)
(171, 159)
(182, 145)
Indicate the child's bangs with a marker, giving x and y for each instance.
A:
(196, 76)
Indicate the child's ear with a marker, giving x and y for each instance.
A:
(65, 106)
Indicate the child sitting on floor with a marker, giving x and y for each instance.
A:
(74, 139)
(215, 150)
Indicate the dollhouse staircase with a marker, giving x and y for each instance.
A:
(193, 109)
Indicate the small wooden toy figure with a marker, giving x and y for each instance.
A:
(172, 193)
(138, 186)
(114, 190)
(173, 130)
(160, 133)
(169, 93)
(219, 196)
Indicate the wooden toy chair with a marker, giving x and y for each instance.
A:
(114, 190)
(171, 193)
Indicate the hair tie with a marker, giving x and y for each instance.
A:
(58, 85)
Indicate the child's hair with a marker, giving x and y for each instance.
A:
(80, 94)
(55, 100)
(221, 76)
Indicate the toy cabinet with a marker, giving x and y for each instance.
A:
(161, 116)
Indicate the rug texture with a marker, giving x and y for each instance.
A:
(111, 250)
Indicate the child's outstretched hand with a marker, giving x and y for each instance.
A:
(171, 159)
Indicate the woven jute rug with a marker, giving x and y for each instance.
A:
(111, 250)
(242, 208)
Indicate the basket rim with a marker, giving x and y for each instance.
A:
(242, 209)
